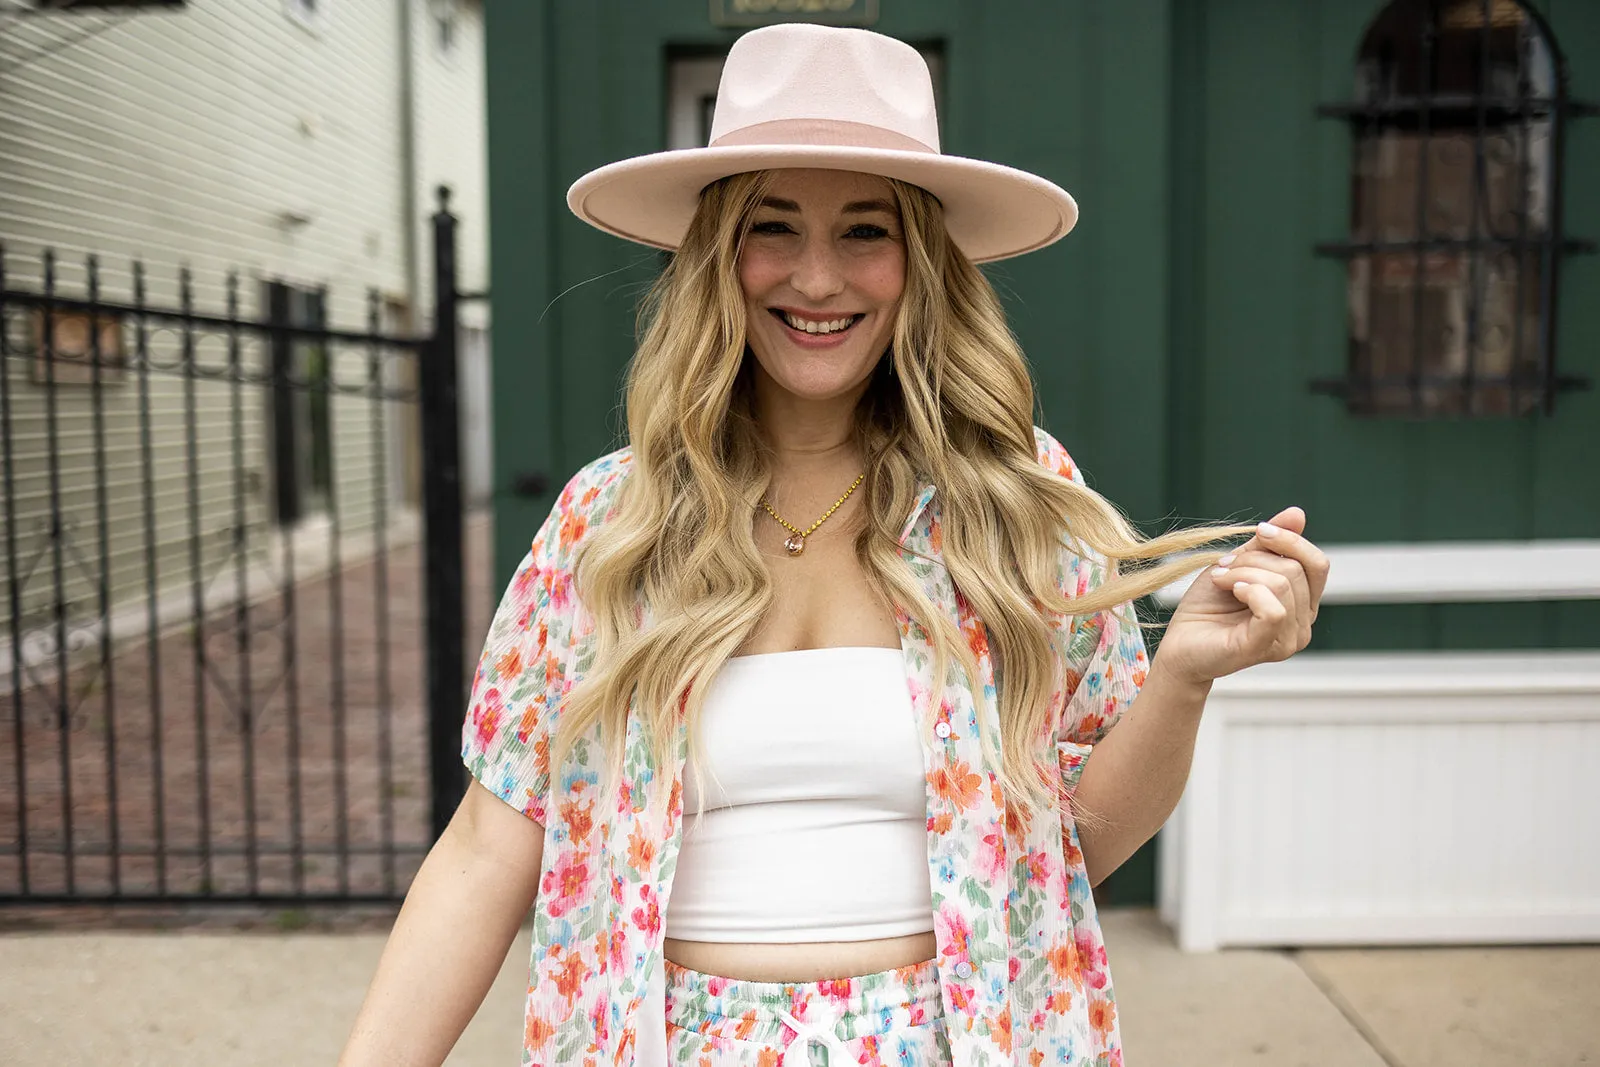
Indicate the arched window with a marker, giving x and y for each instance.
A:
(1455, 212)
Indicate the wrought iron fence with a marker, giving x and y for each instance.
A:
(232, 665)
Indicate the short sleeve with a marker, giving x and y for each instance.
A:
(1106, 659)
(506, 736)
(1106, 666)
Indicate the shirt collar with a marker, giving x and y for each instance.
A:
(924, 495)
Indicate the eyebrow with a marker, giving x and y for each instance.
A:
(855, 207)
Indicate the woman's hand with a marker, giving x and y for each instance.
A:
(1255, 606)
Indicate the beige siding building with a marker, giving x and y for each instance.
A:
(296, 143)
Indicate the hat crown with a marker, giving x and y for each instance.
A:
(809, 96)
(796, 71)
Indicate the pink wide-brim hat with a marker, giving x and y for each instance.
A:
(799, 95)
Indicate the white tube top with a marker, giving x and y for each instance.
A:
(815, 824)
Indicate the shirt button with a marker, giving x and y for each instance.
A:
(942, 729)
(963, 969)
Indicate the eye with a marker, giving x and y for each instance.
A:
(771, 227)
(866, 231)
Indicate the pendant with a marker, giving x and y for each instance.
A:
(796, 544)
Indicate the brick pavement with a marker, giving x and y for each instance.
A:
(313, 743)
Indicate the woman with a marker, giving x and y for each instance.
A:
(784, 726)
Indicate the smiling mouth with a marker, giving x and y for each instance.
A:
(816, 328)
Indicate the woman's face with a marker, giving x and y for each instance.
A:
(822, 270)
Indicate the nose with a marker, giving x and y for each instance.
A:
(818, 275)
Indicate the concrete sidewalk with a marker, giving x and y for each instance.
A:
(253, 1000)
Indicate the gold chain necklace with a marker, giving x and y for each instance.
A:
(796, 543)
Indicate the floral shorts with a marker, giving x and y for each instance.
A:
(889, 1018)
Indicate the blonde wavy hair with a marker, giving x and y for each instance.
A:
(957, 408)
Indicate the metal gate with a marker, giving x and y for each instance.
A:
(232, 667)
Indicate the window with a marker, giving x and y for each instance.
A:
(1455, 220)
(301, 413)
(65, 347)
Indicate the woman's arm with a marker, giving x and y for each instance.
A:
(460, 916)
(1256, 606)
(1138, 771)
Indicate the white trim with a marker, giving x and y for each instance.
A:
(438, 12)
(690, 79)
(1451, 571)
(1490, 926)
(1467, 675)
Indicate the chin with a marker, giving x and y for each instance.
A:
(823, 386)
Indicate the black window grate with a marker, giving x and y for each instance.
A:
(1455, 218)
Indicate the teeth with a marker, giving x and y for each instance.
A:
(809, 326)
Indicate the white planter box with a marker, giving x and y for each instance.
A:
(1361, 798)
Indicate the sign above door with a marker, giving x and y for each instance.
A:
(765, 12)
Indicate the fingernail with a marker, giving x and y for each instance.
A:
(1219, 570)
(1266, 529)
(1240, 585)
(1225, 560)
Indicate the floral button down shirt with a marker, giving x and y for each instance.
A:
(1022, 965)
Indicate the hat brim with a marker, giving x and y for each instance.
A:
(992, 211)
